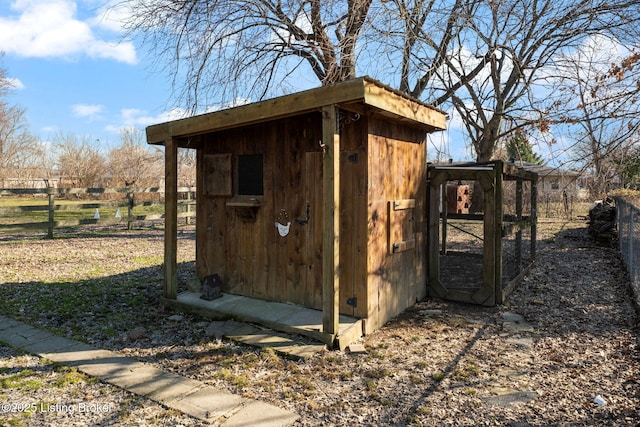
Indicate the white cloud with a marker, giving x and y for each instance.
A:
(13, 83)
(137, 118)
(50, 129)
(173, 114)
(51, 28)
(110, 16)
(595, 56)
(90, 111)
(602, 49)
(142, 118)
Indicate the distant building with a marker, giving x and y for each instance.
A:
(28, 178)
(554, 182)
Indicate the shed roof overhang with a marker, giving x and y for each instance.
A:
(350, 95)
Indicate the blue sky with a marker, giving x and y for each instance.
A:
(74, 73)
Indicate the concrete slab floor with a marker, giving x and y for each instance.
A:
(279, 316)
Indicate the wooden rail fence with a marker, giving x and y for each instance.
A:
(128, 202)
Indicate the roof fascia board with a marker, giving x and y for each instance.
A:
(357, 90)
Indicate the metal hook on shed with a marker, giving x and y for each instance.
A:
(303, 221)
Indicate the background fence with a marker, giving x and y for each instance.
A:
(50, 208)
(628, 218)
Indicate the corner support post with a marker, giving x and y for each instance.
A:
(330, 222)
(170, 288)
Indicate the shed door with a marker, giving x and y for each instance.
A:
(310, 219)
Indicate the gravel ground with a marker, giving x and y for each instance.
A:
(567, 334)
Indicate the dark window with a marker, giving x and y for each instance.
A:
(250, 178)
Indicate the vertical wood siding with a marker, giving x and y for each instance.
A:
(381, 161)
(248, 253)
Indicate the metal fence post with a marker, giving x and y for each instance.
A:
(619, 208)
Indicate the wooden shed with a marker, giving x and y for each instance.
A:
(316, 198)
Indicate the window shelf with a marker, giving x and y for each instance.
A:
(251, 203)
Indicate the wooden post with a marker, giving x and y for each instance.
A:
(170, 290)
(487, 292)
(499, 212)
(434, 183)
(445, 211)
(51, 196)
(518, 247)
(534, 216)
(330, 222)
(130, 203)
(632, 266)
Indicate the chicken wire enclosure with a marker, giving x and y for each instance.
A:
(482, 230)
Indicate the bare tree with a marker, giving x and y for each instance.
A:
(597, 108)
(187, 167)
(480, 57)
(519, 41)
(231, 47)
(79, 161)
(627, 164)
(134, 163)
(19, 149)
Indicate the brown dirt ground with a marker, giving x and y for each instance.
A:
(439, 363)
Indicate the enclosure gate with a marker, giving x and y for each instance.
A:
(483, 281)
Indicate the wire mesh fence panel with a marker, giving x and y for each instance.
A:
(629, 240)
(560, 205)
(516, 254)
(461, 254)
(510, 198)
(516, 228)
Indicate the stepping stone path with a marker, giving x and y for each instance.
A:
(191, 397)
(516, 325)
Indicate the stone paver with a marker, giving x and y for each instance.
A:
(183, 394)
(250, 412)
(284, 344)
(520, 334)
(513, 322)
(509, 398)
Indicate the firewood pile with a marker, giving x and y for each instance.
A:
(602, 221)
